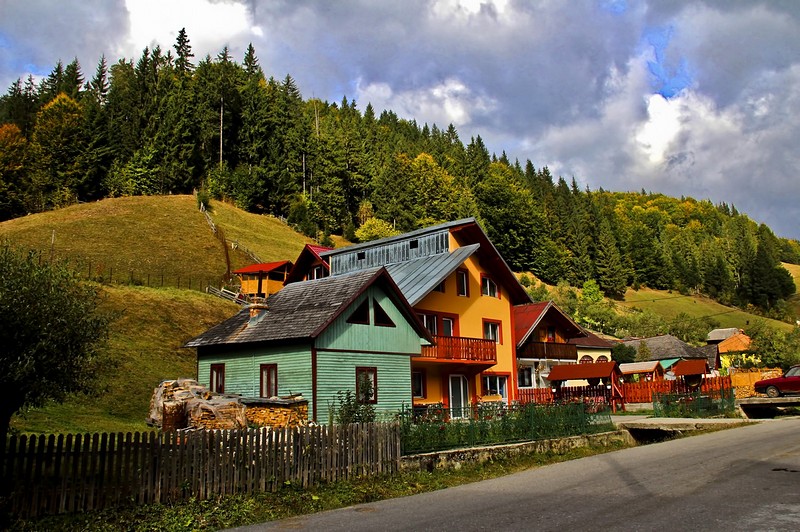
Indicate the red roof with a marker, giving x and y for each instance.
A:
(264, 267)
(692, 366)
(565, 372)
(528, 316)
(317, 249)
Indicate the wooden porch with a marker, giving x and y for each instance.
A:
(549, 350)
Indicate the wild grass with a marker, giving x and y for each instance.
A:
(670, 304)
(794, 301)
(145, 345)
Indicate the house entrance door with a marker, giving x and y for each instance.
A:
(459, 396)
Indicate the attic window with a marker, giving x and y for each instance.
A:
(361, 314)
(414, 244)
(382, 319)
(361, 255)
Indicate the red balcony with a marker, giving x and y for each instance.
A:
(548, 350)
(459, 349)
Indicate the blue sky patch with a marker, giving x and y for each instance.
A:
(666, 79)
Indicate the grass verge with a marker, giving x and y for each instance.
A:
(240, 510)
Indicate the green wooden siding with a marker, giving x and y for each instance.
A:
(336, 371)
(242, 370)
(402, 338)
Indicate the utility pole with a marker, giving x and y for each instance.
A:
(220, 132)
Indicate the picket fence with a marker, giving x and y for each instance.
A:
(632, 392)
(70, 473)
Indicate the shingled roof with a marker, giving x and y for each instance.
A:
(303, 310)
(666, 346)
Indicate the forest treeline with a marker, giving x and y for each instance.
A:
(162, 124)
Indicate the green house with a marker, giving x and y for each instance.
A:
(317, 338)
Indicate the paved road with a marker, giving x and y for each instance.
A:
(739, 479)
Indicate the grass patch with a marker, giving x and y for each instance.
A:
(669, 305)
(794, 300)
(145, 343)
(240, 510)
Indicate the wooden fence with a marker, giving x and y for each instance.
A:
(632, 392)
(61, 474)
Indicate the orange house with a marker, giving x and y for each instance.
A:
(462, 291)
(261, 280)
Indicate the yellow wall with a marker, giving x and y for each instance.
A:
(471, 312)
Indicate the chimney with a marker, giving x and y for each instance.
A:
(258, 309)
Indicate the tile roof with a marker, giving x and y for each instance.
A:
(302, 311)
(666, 346)
(565, 372)
(263, 267)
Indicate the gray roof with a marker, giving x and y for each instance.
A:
(397, 238)
(718, 335)
(299, 311)
(712, 354)
(416, 278)
(666, 346)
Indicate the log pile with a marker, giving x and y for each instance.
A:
(182, 403)
(220, 412)
(278, 412)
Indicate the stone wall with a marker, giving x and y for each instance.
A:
(455, 458)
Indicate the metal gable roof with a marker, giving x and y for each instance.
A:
(416, 278)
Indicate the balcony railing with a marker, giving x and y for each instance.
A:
(551, 350)
(457, 348)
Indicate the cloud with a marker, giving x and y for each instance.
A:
(695, 98)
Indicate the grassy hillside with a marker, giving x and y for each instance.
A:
(794, 301)
(145, 342)
(669, 305)
(153, 235)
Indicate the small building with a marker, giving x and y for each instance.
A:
(603, 377)
(649, 371)
(318, 338)
(691, 371)
(261, 280)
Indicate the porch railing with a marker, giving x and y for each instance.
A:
(459, 348)
(551, 350)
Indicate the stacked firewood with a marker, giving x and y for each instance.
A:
(277, 415)
(216, 413)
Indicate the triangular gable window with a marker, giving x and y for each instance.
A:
(361, 314)
(382, 319)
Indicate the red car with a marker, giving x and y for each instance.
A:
(789, 383)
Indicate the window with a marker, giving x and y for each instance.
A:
(491, 331)
(317, 272)
(448, 327)
(429, 321)
(414, 244)
(551, 334)
(602, 358)
(489, 287)
(439, 287)
(525, 376)
(382, 319)
(586, 359)
(418, 384)
(495, 385)
(217, 380)
(462, 283)
(367, 385)
(269, 380)
(361, 255)
(361, 314)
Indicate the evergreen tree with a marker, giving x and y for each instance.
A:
(611, 275)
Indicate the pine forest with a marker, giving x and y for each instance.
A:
(166, 123)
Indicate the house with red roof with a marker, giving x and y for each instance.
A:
(261, 280)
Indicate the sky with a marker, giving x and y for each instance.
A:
(686, 98)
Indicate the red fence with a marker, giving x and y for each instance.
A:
(632, 392)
